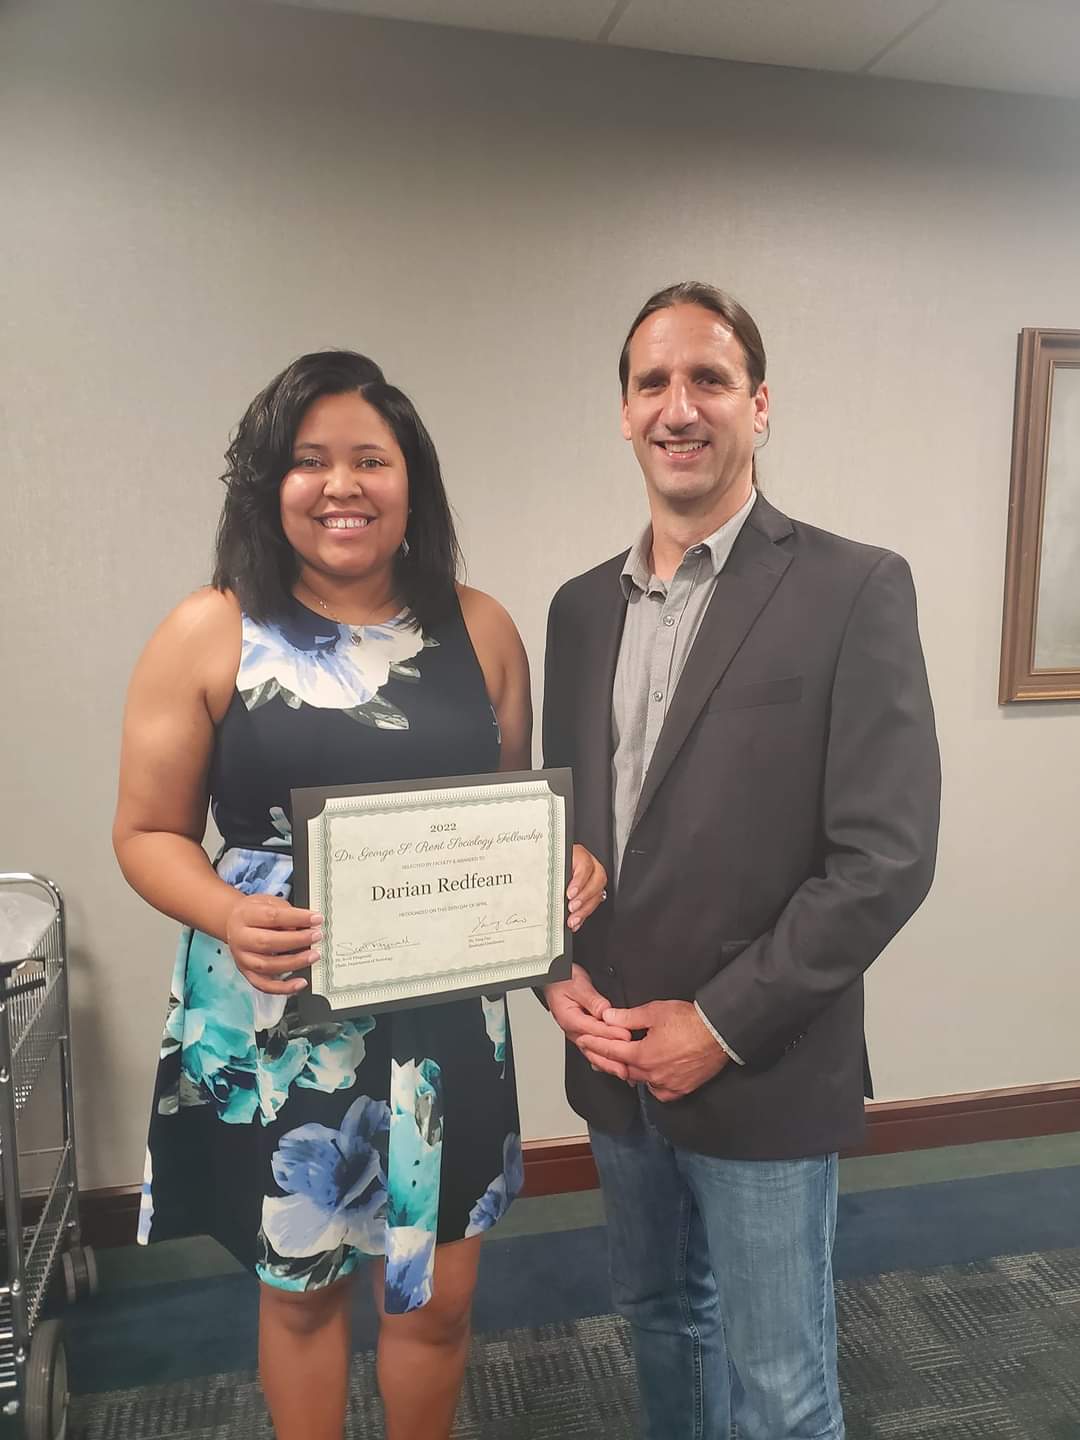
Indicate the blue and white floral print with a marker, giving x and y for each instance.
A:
(256, 872)
(413, 1170)
(335, 1051)
(342, 669)
(173, 1037)
(275, 1071)
(282, 829)
(336, 1146)
(211, 1022)
(267, 1010)
(334, 1183)
(495, 1025)
(215, 1016)
(146, 1201)
(495, 1201)
(416, 1136)
(410, 1268)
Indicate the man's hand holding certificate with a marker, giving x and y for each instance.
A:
(432, 890)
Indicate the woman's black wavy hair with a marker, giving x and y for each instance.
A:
(253, 557)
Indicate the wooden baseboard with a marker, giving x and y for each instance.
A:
(110, 1217)
(1026, 1111)
(893, 1126)
(555, 1167)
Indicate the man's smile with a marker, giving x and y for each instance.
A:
(681, 447)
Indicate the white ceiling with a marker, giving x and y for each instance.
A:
(1030, 46)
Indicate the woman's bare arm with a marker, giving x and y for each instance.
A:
(506, 673)
(180, 690)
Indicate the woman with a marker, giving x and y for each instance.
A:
(335, 647)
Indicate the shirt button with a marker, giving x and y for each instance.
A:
(658, 694)
(669, 619)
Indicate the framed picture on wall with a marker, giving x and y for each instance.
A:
(1040, 641)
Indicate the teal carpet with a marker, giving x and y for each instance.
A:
(959, 1297)
(990, 1349)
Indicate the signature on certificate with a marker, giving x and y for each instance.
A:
(379, 945)
(495, 925)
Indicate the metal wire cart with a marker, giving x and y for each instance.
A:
(41, 1236)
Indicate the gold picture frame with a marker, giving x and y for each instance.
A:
(1040, 640)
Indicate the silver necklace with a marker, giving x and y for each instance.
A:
(356, 632)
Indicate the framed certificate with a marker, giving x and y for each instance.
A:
(433, 890)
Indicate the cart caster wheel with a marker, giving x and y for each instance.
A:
(80, 1273)
(47, 1383)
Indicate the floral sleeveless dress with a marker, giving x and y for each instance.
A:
(305, 1148)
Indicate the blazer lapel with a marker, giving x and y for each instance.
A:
(593, 777)
(743, 589)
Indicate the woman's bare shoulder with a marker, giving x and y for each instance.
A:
(497, 644)
(198, 645)
(203, 615)
(484, 615)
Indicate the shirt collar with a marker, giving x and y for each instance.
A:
(637, 572)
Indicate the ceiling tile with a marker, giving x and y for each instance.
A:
(1031, 46)
(810, 34)
(566, 19)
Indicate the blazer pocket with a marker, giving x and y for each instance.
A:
(762, 692)
(730, 948)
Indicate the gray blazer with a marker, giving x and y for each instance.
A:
(786, 830)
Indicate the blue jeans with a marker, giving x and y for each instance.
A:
(723, 1269)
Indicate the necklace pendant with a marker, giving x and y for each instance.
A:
(356, 636)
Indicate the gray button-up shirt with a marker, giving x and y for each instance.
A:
(662, 621)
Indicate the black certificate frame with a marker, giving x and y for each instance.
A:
(310, 801)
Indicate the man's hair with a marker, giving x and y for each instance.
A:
(696, 292)
(255, 560)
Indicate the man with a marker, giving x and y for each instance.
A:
(744, 703)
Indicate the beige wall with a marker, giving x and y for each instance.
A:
(196, 192)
